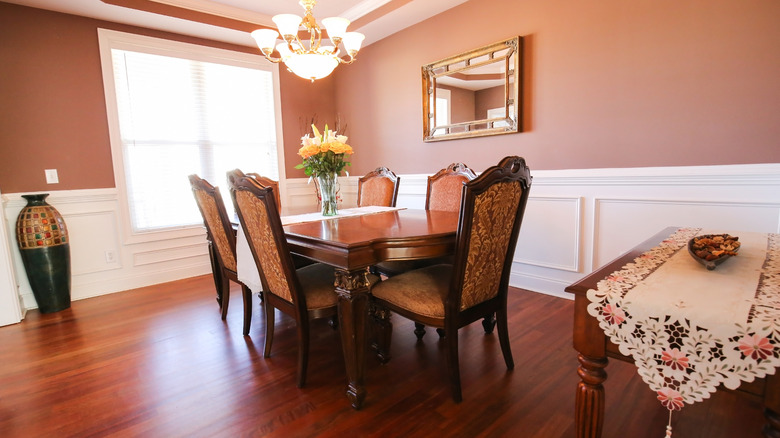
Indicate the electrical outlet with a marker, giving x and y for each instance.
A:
(110, 256)
(51, 176)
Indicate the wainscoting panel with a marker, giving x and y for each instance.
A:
(96, 253)
(559, 220)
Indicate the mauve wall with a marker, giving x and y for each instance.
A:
(612, 83)
(52, 108)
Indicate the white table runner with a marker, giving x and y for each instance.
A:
(245, 264)
(689, 329)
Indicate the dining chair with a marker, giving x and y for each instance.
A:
(443, 194)
(451, 296)
(222, 245)
(306, 293)
(378, 187)
(264, 182)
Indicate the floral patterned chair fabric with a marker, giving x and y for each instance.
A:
(378, 187)
(451, 296)
(306, 293)
(222, 245)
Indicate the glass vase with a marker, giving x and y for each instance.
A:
(329, 184)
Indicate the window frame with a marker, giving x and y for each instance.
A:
(111, 39)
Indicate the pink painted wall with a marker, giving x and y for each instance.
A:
(53, 112)
(612, 83)
(487, 99)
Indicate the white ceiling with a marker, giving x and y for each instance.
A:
(407, 13)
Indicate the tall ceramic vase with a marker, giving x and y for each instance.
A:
(45, 249)
(328, 191)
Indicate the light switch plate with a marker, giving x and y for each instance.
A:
(51, 176)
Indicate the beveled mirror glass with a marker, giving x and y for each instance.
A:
(473, 94)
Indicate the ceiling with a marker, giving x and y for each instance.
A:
(231, 20)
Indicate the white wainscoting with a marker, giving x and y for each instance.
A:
(101, 262)
(576, 221)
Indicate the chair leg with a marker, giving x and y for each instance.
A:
(489, 323)
(503, 338)
(303, 351)
(247, 308)
(216, 274)
(453, 364)
(441, 332)
(419, 330)
(225, 292)
(269, 328)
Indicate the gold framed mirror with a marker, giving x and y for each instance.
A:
(473, 94)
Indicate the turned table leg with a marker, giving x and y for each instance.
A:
(589, 413)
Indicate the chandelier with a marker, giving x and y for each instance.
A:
(309, 61)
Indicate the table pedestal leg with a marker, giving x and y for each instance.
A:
(352, 289)
(589, 415)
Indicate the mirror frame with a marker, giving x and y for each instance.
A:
(454, 64)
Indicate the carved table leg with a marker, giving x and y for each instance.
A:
(382, 332)
(352, 289)
(589, 414)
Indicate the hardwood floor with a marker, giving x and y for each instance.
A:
(159, 362)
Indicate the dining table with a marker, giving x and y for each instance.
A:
(689, 328)
(352, 242)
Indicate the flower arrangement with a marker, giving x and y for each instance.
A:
(323, 158)
(323, 153)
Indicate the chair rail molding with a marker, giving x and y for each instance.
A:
(576, 220)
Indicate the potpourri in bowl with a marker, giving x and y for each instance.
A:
(713, 249)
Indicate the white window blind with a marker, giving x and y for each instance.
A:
(179, 116)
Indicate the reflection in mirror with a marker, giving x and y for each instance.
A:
(473, 94)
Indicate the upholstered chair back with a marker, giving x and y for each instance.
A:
(378, 187)
(216, 220)
(259, 217)
(493, 208)
(266, 182)
(446, 186)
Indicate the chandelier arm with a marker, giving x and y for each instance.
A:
(272, 59)
(315, 45)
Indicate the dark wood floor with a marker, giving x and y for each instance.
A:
(159, 362)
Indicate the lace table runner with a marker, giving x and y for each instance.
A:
(245, 264)
(689, 329)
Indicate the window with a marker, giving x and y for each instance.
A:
(176, 109)
(443, 98)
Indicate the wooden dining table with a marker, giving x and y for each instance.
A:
(594, 346)
(352, 244)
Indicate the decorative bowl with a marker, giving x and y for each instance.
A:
(713, 249)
